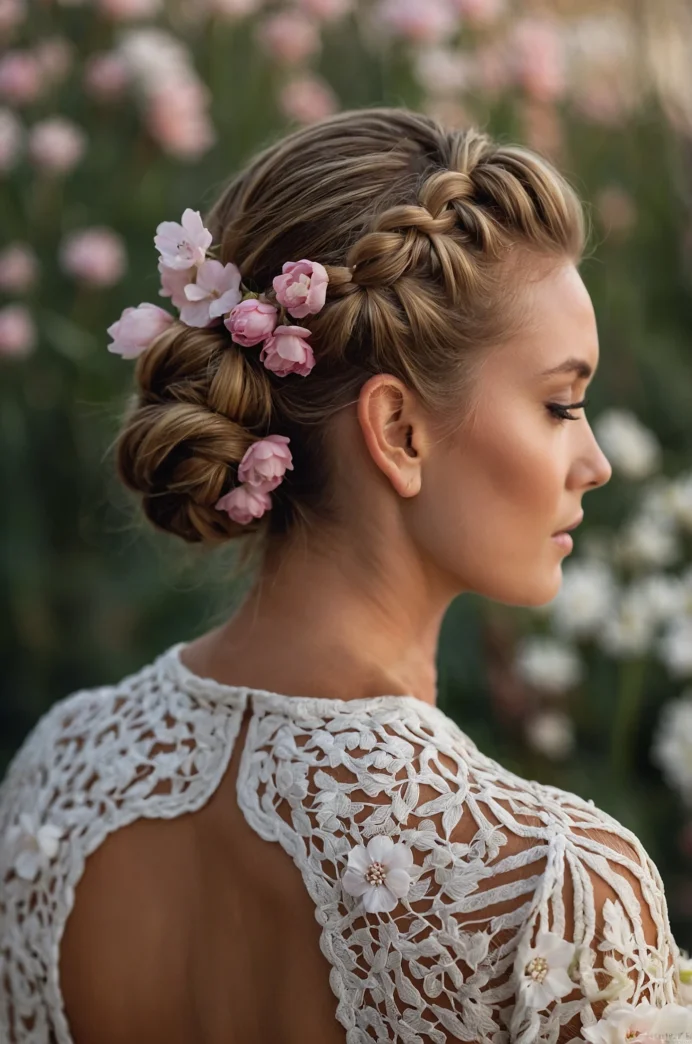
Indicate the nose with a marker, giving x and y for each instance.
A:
(600, 467)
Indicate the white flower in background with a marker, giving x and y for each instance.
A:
(380, 873)
(18, 268)
(183, 245)
(11, 139)
(661, 594)
(676, 647)
(33, 845)
(56, 145)
(441, 70)
(681, 501)
(586, 599)
(671, 749)
(632, 449)
(541, 970)
(643, 1022)
(647, 541)
(17, 330)
(95, 256)
(215, 292)
(153, 57)
(685, 974)
(548, 664)
(631, 630)
(551, 732)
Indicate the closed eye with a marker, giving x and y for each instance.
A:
(561, 410)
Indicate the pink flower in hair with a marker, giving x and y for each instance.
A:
(251, 321)
(183, 245)
(286, 352)
(173, 283)
(302, 288)
(215, 292)
(265, 463)
(136, 328)
(244, 503)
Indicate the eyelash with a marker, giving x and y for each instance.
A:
(559, 410)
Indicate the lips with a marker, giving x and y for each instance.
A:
(572, 525)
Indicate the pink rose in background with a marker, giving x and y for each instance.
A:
(12, 14)
(11, 139)
(307, 100)
(173, 283)
(177, 119)
(481, 12)
(17, 331)
(183, 245)
(539, 58)
(20, 77)
(215, 292)
(95, 256)
(286, 351)
(289, 36)
(126, 10)
(422, 23)
(302, 287)
(106, 76)
(266, 462)
(326, 10)
(251, 321)
(18, 268)
(244, 503)
(137, 328)
(56, 145)
(54, 57)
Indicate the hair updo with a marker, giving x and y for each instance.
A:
(416, 226)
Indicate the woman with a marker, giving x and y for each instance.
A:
(271, 833)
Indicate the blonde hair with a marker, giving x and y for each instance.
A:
(417, 226)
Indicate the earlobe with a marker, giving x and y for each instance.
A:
(391, 426)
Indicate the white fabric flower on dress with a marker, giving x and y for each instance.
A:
(379, 873)
(34, 845)
(542, 970)
(642, 1023)
(215, 292)
(183, 245)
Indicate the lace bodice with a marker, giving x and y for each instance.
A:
(497, 869)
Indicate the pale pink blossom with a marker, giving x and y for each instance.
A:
(177, 119)
(56, 145)
(251, 321)
(286, 351)
(106, 76)
(302, 287)
(54, 57)
(442, 70)
(127, 10)
(215, 291)
(95, 256)
(137, 328)
(493, 67)
(20, 77)
(233, 9)
(17, 330)
(244, 503)
(307, 100)
(481, 12)
(11, 139)
(173, 283)
(184, 244)
(326, 10)
(380, 873)
(539, 58)
(421, 23)
(289, 36)
(18, 268)
(265, 463)
(12, 14)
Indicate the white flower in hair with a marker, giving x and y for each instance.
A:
(183, 245)
(214, 293)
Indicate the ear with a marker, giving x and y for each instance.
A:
(393, 425)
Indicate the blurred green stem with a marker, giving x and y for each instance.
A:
(629, 698)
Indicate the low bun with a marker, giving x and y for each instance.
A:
(201, 403)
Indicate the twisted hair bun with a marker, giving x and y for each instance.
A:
(418, 228)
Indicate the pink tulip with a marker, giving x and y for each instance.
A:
(251, 321)
(244, 503)
(173, 283)
(539, 58)
(302, 287)
(215, 291)
(11, 139)
(18, 268)
(286, 351)
(20, 77)
(95, 256)
(12, 14)
(307, 100)
(266, 462)
(421, 23)
(177, 119)
(289, 37)
(106, 76)
(17, 331)
(56, 145)
(137, 328)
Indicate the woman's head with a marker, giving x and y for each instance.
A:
(452, 284)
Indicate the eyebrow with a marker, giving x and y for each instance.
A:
(578, 366)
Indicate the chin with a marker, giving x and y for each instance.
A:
(532, 595)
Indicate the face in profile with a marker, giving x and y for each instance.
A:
(516, 470)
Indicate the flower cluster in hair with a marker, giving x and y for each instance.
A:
(207, 293)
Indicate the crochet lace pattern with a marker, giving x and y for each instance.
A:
(497, 858)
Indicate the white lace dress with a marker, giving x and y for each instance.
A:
(501, 867)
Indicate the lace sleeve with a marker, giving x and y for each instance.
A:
(496, 861)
